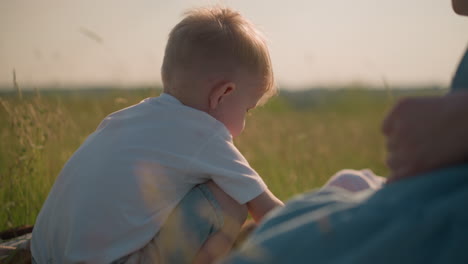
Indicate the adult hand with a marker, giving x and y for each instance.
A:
(426, 133)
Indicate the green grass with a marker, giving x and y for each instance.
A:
(295, 142)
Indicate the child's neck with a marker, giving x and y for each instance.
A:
(192, 100)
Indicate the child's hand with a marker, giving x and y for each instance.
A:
(426, 133)
(247, 229)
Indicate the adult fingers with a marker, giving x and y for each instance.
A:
(400, 165)
(394, 163)
(400, 173)
(388, 123)
(392, 119)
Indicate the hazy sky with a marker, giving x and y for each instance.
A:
(312, 42)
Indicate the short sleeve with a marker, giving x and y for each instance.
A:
(222, 162)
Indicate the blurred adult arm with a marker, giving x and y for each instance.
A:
(426, 133)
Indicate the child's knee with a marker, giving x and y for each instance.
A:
(232, 210)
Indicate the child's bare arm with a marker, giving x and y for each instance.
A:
(262, 204)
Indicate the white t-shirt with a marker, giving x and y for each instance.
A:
(117, 189)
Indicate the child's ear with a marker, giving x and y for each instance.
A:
(219, 92)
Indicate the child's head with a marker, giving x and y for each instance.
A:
(216, 61)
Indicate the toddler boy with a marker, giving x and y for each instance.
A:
(162, 181)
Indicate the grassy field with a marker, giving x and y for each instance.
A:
(295, 142)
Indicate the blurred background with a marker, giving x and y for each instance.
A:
(341, 65)
(313, 43)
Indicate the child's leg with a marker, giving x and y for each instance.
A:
(221, 242)
(200, 229)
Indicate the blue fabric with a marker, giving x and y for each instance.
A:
(420, 220)
(199, 216)
(460, 80)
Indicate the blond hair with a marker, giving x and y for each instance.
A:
(216, 39)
